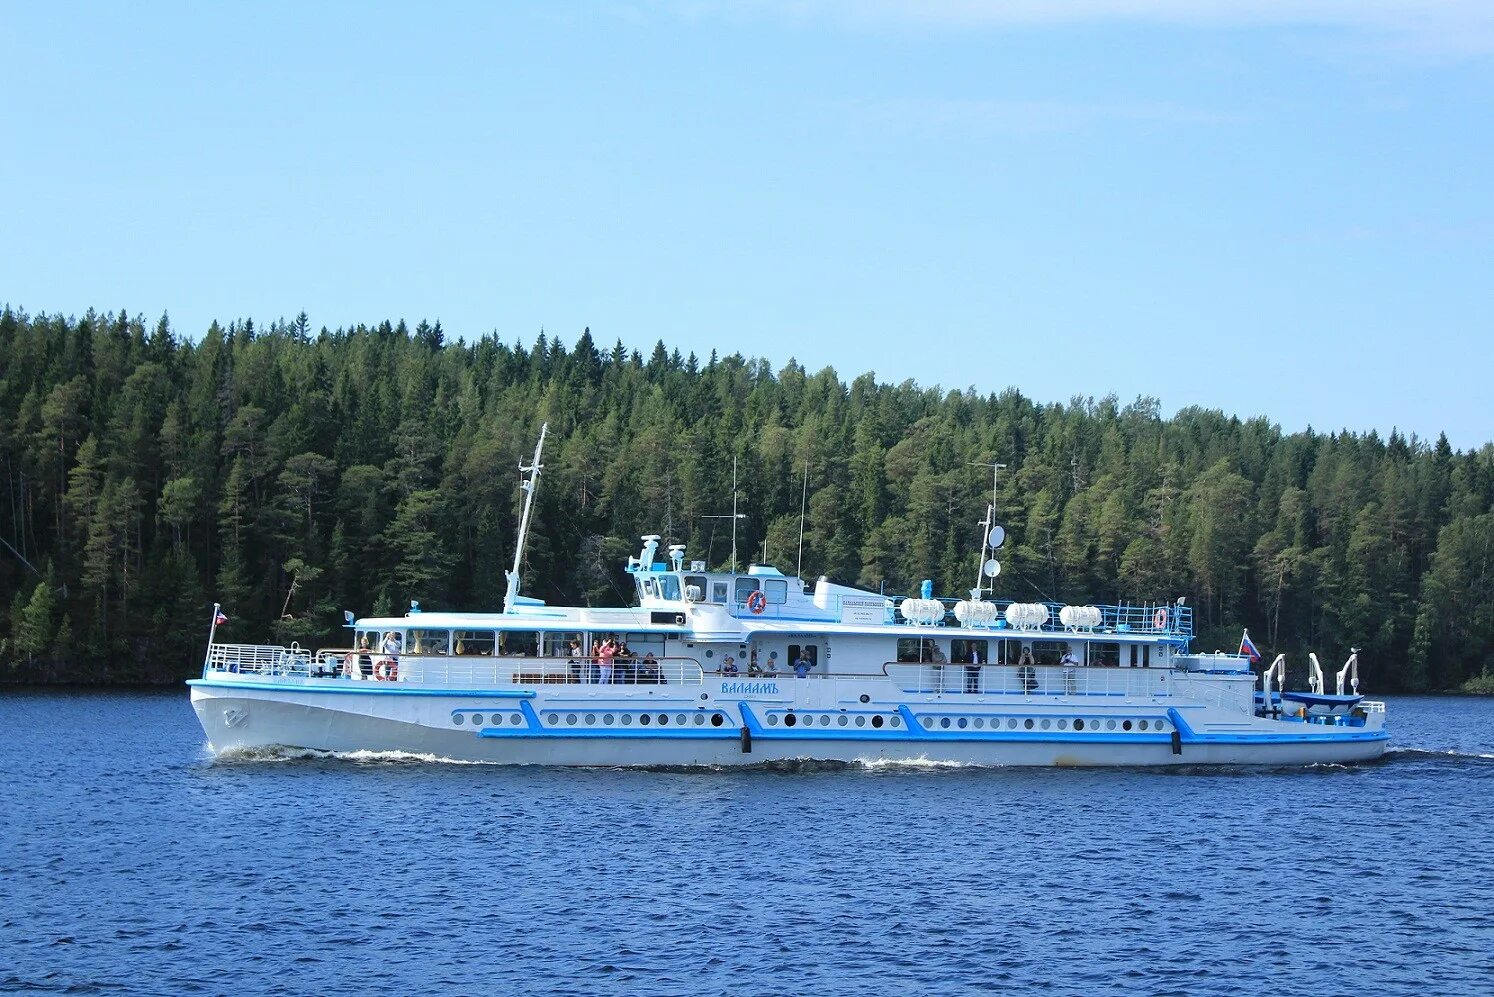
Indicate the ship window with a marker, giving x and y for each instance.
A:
(521, 643)
(1104, 655)
(1048, 652)
(776, 589)
(717, 719)
(429, 641)
(909, 649)
(695, 588)
(718, 593)
(669, 587)
(650, 590)
(876, 721)
(473, 642)
(960, 651)
(745, 587)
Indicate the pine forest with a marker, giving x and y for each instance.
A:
(291, 473)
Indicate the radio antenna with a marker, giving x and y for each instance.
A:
(803, 500)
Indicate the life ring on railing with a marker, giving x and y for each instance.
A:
(1159, 618)
(756, 603)
(386, 670)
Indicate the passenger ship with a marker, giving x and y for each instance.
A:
(727, 668)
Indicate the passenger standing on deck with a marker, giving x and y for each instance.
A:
(972, 670)
(802, 665)
(605, 654)
(728, 665)
(573, 652)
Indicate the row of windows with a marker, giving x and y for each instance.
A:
(840, 720)
(1044, 723)
(1012, 652)
(700, 588)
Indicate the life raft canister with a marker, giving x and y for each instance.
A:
(757, 602)
(1159, 618)
(386, 670)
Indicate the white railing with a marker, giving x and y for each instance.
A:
(442, 671)
(1029, 680)
(259, 659)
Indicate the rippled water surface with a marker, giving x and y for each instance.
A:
(132, 861)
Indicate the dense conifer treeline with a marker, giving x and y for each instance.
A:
(290, 475)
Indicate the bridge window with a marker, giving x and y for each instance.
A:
(669, 587)
(695, 588)
(776, 589)
(745, 587)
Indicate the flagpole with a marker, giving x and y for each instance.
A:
(212, 632)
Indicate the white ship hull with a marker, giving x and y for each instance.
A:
(727, 722)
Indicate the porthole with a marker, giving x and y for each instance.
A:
(710, 654)
(663, 719)
(1110, 725)
(865, 698)
(1159, 724)
(962, 723)
(877, 721)
(591, 718)
(700, 719)
(1063, 725)
(1126, 725)
(1047, 723)
(570, 719)
(842, 720)
(644, 719)
(1078, 724)
(1011, 723)
(944, 722)
(895, 721)
(861, 721)
(928, 723)
(1027, 723)
(627, 718)
(717, 719)
(458, 719)
(679, 718)
(825, 720)
(607, 719)
(516, 719)
(552, 718)
(979, 723)
(772, 720)
(789, 719)
(1141, 725)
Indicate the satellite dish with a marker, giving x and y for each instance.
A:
(996, 537)
(991, 568)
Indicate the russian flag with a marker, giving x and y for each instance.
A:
(1247, 646)
(220, 619)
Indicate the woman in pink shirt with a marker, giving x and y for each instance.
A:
(605, 654)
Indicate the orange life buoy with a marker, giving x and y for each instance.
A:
(1159, 618)
(386, 670)
(757, 602)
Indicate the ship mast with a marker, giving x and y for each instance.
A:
(511, 596)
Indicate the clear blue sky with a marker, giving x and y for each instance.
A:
(1269, 207)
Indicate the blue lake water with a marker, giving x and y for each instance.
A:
(131, 861)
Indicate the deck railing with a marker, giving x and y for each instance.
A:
(1029, 680)
(443, 671)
